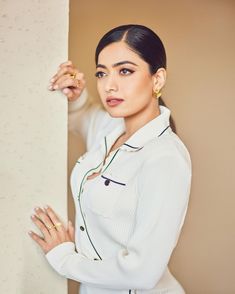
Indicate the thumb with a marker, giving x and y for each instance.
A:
(71, 231)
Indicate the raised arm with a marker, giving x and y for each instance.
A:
(85, 117)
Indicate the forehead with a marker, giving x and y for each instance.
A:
(117, 52)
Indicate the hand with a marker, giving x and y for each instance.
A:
(68, 80)
(53, 231)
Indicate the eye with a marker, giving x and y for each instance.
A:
(126, 71)
(99, 74)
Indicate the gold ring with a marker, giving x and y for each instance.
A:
(73, 75)
(49, 227)
(57, 225)
(77, 83)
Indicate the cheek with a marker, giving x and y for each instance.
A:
(99, 89)
(98, 86)
(139, 87)
(101, 92)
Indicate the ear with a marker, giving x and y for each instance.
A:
(159, 79)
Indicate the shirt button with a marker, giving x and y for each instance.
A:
(82, 228)
(106, 182)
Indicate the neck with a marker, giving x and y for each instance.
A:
(138, 120)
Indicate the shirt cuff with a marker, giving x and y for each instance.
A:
(58, 255)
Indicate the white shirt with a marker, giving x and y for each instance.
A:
(128, 219)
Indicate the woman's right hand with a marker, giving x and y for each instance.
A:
(68, 80)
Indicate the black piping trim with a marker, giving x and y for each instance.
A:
(163, 131)
(123, 184)
(132, 146)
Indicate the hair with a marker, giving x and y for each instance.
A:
(144, 42)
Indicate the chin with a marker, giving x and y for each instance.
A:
(121, 113)
(115, 114)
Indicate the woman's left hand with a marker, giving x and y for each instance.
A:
(53, 231)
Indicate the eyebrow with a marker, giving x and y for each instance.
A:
(117, 64)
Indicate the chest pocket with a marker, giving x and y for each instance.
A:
(103, 194)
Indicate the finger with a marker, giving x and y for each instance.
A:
(45, 220)
(55, 219)
(71, 231)
(66, 67)
(67, 80)
(41, 227)
(68, 62)
(72, 94)
(39, 241)
(67, 70)
(69, 94)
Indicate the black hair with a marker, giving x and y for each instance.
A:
(144, 42)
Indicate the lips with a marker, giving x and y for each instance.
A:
(114, 101)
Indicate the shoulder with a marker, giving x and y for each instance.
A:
(166, 168)
(167, 149)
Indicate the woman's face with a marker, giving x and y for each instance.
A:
(124, 82)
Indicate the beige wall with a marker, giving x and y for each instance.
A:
(33, 133)
(200, 40)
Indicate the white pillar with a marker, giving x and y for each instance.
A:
(33, 138)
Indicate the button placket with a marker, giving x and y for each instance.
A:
(83, 227)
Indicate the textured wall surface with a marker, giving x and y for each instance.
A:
(33, 138)
(200, 42)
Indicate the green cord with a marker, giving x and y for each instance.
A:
(111, 160)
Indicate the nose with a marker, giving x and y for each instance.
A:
(111, 83)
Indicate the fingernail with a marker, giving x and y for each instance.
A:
(52, 80)
(30, 232)
(33, 216)
(46, 206)
(50, 87)
(56, 87)
(37, 208)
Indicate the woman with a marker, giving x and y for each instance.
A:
(131, 188)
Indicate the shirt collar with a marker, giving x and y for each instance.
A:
(152, 129)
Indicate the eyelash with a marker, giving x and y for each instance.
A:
(97, 74)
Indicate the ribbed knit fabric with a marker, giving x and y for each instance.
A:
(128, 219)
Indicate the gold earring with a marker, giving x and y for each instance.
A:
(157, 93)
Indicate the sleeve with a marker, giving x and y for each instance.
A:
(89, 120)
(163, 188)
